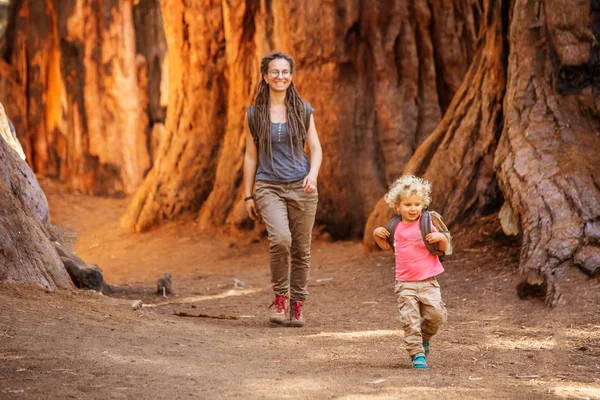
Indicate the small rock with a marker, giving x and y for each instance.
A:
(136, 305)
(238, 285)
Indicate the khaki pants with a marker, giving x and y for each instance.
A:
(422, 312)
(289, 214)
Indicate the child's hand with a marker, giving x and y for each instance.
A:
(381, 233)
(435, 237)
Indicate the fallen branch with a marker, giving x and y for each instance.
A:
(220, 316)
(527, 376)
(195, 299)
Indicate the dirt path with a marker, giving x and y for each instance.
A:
(86, 346)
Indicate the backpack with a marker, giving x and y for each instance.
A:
(250, 112)
(427, 219)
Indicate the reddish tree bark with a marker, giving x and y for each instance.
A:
(11, 97)
(458, 156)
(184, 172)
(548, 157)
(151, 43)
(535, 133)
(85, 115)
(372, 78)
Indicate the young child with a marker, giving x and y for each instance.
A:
(422, 312)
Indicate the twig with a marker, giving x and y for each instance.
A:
(220, 316)
(524, 349)
(527, 376)
(7, 334)
(195, 299)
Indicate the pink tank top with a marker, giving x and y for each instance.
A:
(413, 261)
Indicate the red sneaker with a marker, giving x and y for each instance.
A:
(278, 315)
(296, 318)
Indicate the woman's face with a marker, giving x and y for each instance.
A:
(279, 75)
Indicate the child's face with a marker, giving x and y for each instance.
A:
(409, 207)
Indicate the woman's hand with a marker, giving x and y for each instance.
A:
(381, 233)
(309, 183)
(251, 209)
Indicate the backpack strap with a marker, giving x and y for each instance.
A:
(426, 230)
(437, 221)
(391, 228)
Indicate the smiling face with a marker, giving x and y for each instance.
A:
(409, 207)
(279, 75)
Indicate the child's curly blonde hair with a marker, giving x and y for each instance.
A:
(408, 185)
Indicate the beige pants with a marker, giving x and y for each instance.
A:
(289, 214)
(422, 312)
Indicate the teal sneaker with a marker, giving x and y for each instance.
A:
(419, 362)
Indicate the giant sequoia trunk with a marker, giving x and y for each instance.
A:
(150, 42)
(30, 248)
(184, 172)
(458, 156)
(548, 158)
(85, 117)
(27, 254)
(379, 74)
(536, 135)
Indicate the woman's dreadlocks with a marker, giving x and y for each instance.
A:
(295, 110)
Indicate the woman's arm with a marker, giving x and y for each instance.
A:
(316, 156)
(250, 162)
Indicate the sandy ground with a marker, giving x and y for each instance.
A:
(82, 345)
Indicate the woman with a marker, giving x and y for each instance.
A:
(279, 123)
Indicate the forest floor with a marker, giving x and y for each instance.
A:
(82, 345)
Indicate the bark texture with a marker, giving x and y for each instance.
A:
(27, 254)
(528, 126)
(183, 175)
(151, 43)
(457, 158)
(549, 152)
(85, 118)
(11, 97)
(379, 76)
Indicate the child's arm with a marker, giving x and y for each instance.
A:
(439, 238)
(380, 235)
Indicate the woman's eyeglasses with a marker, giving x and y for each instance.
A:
(275, 73)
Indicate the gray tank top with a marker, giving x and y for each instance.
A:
(287, 165)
